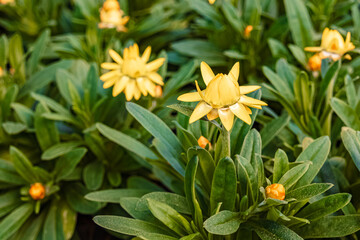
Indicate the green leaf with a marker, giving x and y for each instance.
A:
(67, 163)
(351, 139)
(126, 141)
(299, 22)
(23, 165)
(331, 227)
(175, 201)
(347, 114)
(223, 223)
(277, 48)
(281, 85)
(68, 219)
(291, 177)
(115, 195)
(74, 194)
(128, 226)
(25, 114)
(7, 101)
(308, 191)
(269, 230)
(11, 223)
(46, 131)
(273, 128)
(13, 128)
(281, 165)
(31, 229)
(325, 206)
(223, 188)
(50, 230)
(9, 201)
(16, 55)
(59, 149)
(38, 50)
(330, 78)
(170, 217)
(317, 153)
(155, 236)
(93, 175)
(114, 178)
(299, 54)
(247, 178)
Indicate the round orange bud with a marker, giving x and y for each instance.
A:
(110, 5)
(248, 30)
(37, 191)
(202, 141)
(315, 63)
(158, 91)
(276, 191)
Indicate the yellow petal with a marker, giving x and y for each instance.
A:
(190, 97)
(109, 75)
(248, 89)
(206, 72)
(114, 55)
(124, 20)
(109, 83)
(146, 55)
(199, 90)
(347, 56)
(226, 117)
(213, 114)
(134, 51)
(126, 53)
(240, 111)
(110, 66)
(141, 85)
(130, 90)
(251, 101)
(150, 87)
(154, 65)
(248, 109)
(120, 85)
(313, 49)
(235, 71)
(137, 93)
(255, 106)
(156, 78)
(200, 110)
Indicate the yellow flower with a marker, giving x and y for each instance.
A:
(276, 191)
(248, 31)
(7, 1)
(223, 97)
(333, 45)
(212, 1)
(315, 63)
(37, 191)
(132, 73)
(111, 16)
(203, 141)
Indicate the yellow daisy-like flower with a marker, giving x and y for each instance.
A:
(132, 73)
(212, 1)
(333, 45)
(223, 97)
(111, 16)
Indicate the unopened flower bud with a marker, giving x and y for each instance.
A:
(276, 191)
(248, 31)
(202, 141)
(315, 63)
(37, 191)
(158, 91)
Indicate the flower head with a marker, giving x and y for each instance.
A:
(212, 1)
(276, 191)
(132, 74)
(223, 97)
(37, 191)
(203, 142)
(314, 63)
(333, 45)
(248, 31)
(111, 16)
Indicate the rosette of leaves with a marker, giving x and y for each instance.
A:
(222, 197)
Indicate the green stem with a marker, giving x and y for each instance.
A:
(225, 152)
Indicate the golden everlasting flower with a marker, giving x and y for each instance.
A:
(315, 63)
(111, 16)
(132, 74)
(7, 1)
(203, 141)
(333, 45)
(248, 31)
(276, 191)
(37, 191)
(212, 1)
(223, 97)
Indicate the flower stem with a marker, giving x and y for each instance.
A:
(225, 152)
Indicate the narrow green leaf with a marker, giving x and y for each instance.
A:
(223, 223)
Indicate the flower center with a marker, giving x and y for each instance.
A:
(134, 68)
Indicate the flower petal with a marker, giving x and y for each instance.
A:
(114, 55)
(109, 75)
(226, 117)
(240, 111)
(206, 72)
(109, 83)
(313, 49)
(134, 51)
(155, 77)
(190, 97)
(120, 85)
(248, 109)
(130, 90)
(154, 65)
(213, 114)
(110, 66)
(146, 55)
(235, 71)
(137, 93)
(248, 89)
(251, 101)
(150, 87)
(141, 85)
(200, 110)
